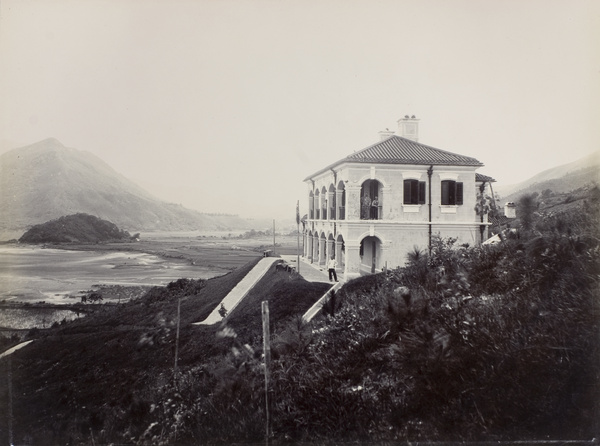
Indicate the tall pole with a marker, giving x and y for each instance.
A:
(177, 339)
(273, 236)
(298, 232)
(10, 403)
(267, 354)
(429, 174)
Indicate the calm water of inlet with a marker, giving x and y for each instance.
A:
(31, 274)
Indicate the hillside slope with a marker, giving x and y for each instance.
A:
(559, 179)
(47, 180)
(102, 374)
(75, 228)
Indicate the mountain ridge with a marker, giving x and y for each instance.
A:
(46, 180)
(562, 178)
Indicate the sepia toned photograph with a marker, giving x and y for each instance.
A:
(299, 222)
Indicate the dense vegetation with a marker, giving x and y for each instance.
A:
(464, 344)
(490, 343)
(101, 378)
(75, 228)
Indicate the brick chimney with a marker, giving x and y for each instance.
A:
(385, 134)
(510, 210)
(408, 127)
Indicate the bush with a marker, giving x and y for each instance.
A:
(487, 343)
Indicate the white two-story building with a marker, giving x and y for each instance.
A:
(369, 209)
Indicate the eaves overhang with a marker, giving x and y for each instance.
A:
(396, 150)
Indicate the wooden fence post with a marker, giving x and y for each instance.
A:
(267, 353)
(10, 402)
(177, 341)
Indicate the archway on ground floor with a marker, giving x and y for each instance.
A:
(322, 249)
(330, 247)
(315, 247)
(340, 252)
(370, 254)
(308, 246)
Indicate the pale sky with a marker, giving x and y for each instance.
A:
(227, 105)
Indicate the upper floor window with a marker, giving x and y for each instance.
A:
(414, 192)
(452, 192)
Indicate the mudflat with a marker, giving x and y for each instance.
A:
(62, 273)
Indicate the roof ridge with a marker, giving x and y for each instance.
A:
(413, 142)
(396, 149)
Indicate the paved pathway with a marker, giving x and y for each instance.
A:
(15, 348)
(308, 271)
(311, 271)
(240, 290)
(314, 273)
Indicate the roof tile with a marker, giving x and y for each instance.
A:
(399, 150)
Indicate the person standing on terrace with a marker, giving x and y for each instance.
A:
(331, 268)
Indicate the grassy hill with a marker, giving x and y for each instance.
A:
(101, 375)
(75, 228)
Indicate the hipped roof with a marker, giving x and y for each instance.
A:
(399, 150)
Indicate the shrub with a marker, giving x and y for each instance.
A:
(493, 342)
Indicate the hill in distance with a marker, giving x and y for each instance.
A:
(75, 228)
(560, 179)
(46, 180)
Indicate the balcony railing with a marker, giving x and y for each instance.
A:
(371, 213)
(366, 213)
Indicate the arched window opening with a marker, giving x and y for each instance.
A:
(311, 205)
(317, 205)
(371, 200)
(324, 204)
(332, 202)
(341, 208)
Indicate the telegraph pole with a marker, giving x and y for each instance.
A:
(267, 359)
(298, 233)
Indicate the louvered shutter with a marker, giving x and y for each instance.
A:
(445, 192)
(422, 192)
(407, 192)
(459, 193)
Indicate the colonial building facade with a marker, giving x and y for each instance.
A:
(370, 209)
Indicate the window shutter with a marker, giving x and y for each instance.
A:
(459, 193)
(445, 192)
(406, 191)
(421, 192)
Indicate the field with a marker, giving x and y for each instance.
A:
(222, 251)
(63, 274)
